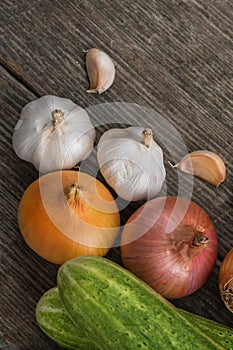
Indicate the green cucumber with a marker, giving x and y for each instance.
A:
(215, 330)
(56, 324)
(120, 311)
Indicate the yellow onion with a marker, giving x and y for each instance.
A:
(225, 280)
(65, 214)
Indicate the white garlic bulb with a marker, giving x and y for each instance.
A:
(131, 163)
(53, 133)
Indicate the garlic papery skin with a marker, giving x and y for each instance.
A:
(53, 133)
(131, 162)
(204, 164)
(100, 70)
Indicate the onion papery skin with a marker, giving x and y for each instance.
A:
(59, 228)
(169, 261)
(225, 280)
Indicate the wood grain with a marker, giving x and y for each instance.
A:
(24, 278)
(174, 59)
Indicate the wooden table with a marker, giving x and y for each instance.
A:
(173, 56)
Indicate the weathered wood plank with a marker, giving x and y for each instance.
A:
(172, 56)
(24, 277)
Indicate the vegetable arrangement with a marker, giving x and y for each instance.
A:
(100, 305)
(70, 218)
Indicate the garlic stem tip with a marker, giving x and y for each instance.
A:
(147, 136)
(173, 165)
(93, 91)
(57, 116)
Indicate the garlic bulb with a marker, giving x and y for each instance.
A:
(131, 162)
(53, 133)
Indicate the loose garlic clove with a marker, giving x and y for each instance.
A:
(100, 70)
(204, 164)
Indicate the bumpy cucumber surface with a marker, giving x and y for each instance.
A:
(121, 312)
(56, 324)
(221, 334)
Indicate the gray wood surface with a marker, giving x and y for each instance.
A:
(172, 56)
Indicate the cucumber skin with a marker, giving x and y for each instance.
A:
(56, 324)
(215, 330)
(121, 312)
(50, 303)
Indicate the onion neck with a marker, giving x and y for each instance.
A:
(57, 117)
(147, 137)
(75, 198)
(72, 192)
(200, 239)
(189, 242)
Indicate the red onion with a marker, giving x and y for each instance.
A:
(171, 244)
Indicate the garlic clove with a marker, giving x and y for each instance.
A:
(100, 70)
(204, 164)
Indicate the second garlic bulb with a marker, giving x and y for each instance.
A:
(131, 163)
